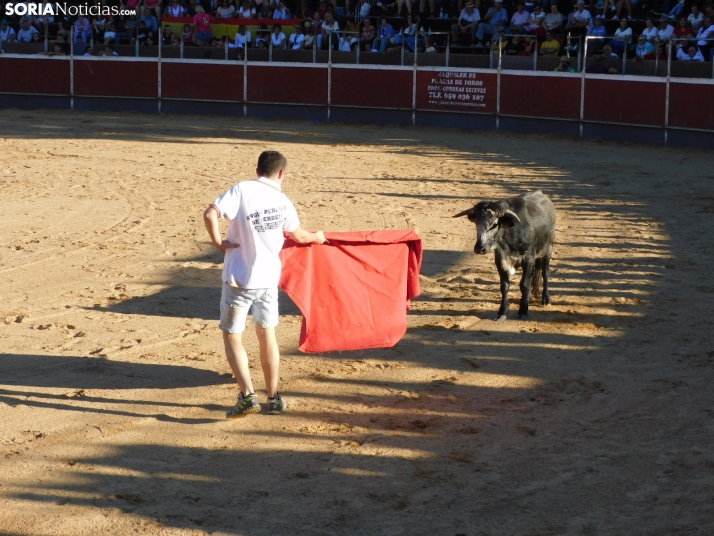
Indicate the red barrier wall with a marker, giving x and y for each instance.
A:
(204, 81)
(691, 105)
(289, 85)
(379, 88)
(26, 75)
(541, 96)
(455, 90)
(625, 101)
(116, 78)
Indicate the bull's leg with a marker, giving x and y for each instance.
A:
(528, 267)
(502, 313)
(545, 267)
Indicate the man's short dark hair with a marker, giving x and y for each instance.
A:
(270, 162)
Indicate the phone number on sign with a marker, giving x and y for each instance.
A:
(455, 96)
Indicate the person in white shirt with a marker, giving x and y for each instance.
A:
(242, 37)
(691, 55)
(706, 32)
(650, 32)
(467, 23)
(297, 38)
(665, 30)
(277, 37)
(6, 31)
(246, 11)
(226, 10)
(175, 9)
(696, 18)
(259, 214)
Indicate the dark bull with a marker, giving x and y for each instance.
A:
(521, 231)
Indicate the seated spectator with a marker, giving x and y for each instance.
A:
(110, 31)
(535, 22)
(242, 39)
(650, 32)
(683, 30)
(408, 33)
(695, 18)
(282, 13)
(202, 22)
(705, 32)
(330, 32)
(692, 54)
(516, 46)
(607, 53)
(367, 34)
(36, 38)
(304, 12)
(323, 8)
(265, 11)
(550, 47)
(564, 66)
(143, 35)
(175, 9)
(57, 50)
(277, 37)
(385, 35)
(498, 45)
(129, 24)
(109, 51)
(581, 20)
(226, 10)
(262, 36)
(553, 21)
(98, 25)
(642, 48)
(598, 67)
(310, 41)
(151, 22)
(665, 31)
(598, 31)
(467, 23)
(167, 37)
(519, 19)
(6, 31)
(187, 35)
(658, 53)
(26, 32)
(493, 22)
(176, 42)
(297, 39)
(88, 51)
(247, 10)
(430, 46)
(623, 38)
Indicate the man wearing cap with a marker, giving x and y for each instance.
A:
(598, 33)
(519, 19)
(564, 66)
(297, 38)
(643, 48)
(467, 23)
(6, 31)
(493, 22)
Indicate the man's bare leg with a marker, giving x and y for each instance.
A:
(269, 358)
(238, 360)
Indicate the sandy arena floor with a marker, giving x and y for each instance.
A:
(594, 417)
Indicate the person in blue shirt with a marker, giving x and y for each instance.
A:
(493, 22)
(152, 24)
(599, 30)
(385, 34)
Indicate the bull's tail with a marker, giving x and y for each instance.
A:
(536, 279)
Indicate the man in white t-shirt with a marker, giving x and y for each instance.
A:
(259, 214)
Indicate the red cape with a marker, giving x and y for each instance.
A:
(353, 292)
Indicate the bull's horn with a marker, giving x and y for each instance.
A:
(512, 215)
(465, 212)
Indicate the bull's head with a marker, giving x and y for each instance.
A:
(490, 217)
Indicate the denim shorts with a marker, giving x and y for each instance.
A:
(236, 302)
(204, 36)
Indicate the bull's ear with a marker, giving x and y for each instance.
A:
(509, 219)
(468, 212)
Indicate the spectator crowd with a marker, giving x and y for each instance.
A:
(544, 27)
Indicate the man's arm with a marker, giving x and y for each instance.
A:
(210, 219)
(301, 236)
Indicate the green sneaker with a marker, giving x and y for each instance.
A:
(245, 406)
(276, 405)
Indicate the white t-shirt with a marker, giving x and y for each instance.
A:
(474, 17)
(259, 213)
(296, 41)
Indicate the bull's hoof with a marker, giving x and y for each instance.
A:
(545, 301)
(501, 318)
(522, 317)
